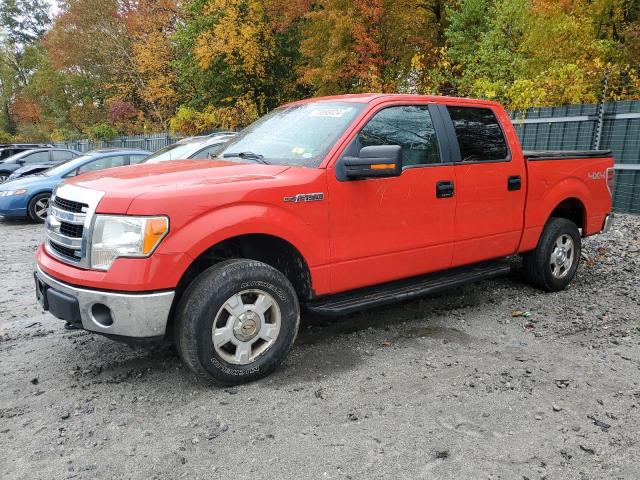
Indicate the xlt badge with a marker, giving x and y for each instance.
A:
(305, 197)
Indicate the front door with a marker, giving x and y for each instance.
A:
(382, 229)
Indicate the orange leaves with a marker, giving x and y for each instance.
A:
(367, 45)
(24, 110)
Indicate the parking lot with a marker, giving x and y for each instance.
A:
(493, 380)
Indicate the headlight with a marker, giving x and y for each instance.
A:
(10, 193)
(124, 236)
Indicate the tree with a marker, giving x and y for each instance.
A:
(237, 56)
(150, 25)
(24, 21)
(369, 45)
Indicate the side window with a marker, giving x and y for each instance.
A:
(479, 134)
(102, 163)
(409, 126)
(61, 155)
(208, 152)
(135, 159)
(37, 157)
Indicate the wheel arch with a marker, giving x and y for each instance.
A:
(567, 199)
(271, 249)
(571, 208)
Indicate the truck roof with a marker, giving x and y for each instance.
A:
(378, 97)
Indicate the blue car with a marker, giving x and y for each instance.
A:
(29, 196)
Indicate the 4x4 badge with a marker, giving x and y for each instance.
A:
(305, 197)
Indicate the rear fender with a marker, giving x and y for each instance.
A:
(538, 210)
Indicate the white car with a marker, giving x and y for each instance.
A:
(191, 148)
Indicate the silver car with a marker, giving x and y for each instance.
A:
(191, 148)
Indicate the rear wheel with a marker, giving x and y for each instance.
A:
(38, 207)
(553, 264)
(4, 176)
(237, 321)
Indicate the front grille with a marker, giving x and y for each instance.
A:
(69, 253)
(72, 209)
(70, 206)
(71, 230)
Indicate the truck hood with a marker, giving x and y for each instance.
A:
(123, 184)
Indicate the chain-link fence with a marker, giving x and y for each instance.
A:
(611, 126)
(143, 142)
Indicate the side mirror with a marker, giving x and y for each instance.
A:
(374, 162)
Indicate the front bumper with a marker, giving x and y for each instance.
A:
(13, 206)
(127, 315)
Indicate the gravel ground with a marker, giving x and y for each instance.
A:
(452, 386)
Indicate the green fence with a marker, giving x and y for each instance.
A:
(143, 142)
(611, 126)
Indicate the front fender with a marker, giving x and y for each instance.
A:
(307, 234)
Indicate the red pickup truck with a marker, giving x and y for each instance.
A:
(331, 204)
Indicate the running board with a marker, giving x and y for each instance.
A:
(405, 289)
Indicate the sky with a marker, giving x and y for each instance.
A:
(54, 6)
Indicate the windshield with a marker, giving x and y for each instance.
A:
(66, 167)
(298, 135)
(176, 151)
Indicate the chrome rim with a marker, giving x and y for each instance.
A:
(3, 177)
(40, 208)
(562, 256)
(246, 326)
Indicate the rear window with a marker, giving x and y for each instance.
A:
(479, 134)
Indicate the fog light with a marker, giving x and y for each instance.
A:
(101, 315)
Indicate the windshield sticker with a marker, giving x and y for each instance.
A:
(297, 150)
(330, 112)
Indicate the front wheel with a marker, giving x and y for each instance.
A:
(38, 207)
(553, 264)
(237, 322)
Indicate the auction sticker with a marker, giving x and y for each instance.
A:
(330, 112)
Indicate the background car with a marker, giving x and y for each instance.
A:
(49, 155)
(9, 149)
(191, 148)
(29, 196)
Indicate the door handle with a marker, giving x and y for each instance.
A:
(514, 182)
(444, 189)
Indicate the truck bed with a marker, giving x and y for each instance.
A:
(575, 182)
(535, 155)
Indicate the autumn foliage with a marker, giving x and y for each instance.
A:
(103, 67)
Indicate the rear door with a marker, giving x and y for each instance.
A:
(489, 186)
(383, 229)
(59, 156)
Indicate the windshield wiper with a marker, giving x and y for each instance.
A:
(247, 156)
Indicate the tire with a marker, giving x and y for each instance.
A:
(544, 267)
(230, 296)
(37, 208)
